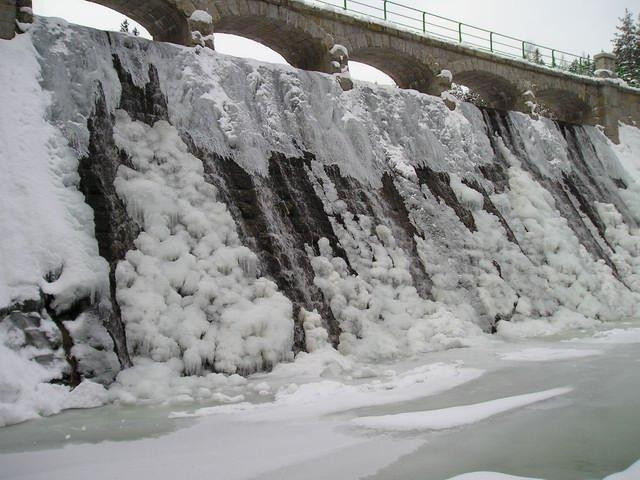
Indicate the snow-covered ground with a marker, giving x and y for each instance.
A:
(565, 419)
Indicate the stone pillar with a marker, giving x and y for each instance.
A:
(24, 13)
(528, 100)
(441, 83)
(201, 27)
(607, 111)
(8, 10)
(14, 16)
(605, 65)
(339, 59)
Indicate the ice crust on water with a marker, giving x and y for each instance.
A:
(615, 336)
(543, 354)
(632, 473)
(489, 476)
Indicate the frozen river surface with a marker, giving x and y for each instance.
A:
(563, 409)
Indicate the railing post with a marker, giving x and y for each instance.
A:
(491, 41)
(524, 50)
(553, 58)
(345, 4)
(460, 32)
(424, 22)
(385, 9)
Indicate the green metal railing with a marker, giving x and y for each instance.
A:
(451, 30)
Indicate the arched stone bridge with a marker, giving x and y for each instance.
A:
(305, 36)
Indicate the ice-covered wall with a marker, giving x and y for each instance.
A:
(174, 205)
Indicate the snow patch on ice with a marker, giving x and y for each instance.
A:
(455, 416)
(489, 476)
(543, 354)
(632, 473)
(614, 336)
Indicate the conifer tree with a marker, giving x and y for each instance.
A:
(626, 48)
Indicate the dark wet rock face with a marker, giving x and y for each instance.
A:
(148, 104)
(405, 233)
(439, 184)
(279, 217)
(489, 207)
(115, 231)
(575, 194)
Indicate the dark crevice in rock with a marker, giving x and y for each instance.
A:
(576, 188)
(497, 175)
(500, 129)
(147, 104)
(621, 184)
(440, 187)
(25, 306)
(350, 191)
(300, 204)
(571, 187)
(397, 211)
(489, 207)
(278, 217)
(595, 181)
(115, 231)
(73, 378)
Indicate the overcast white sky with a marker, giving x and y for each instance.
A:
(577, 26)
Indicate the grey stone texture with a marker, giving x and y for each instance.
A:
(7, 19)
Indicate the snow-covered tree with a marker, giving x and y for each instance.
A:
(626, 47)
(583, 65)
(124, 28)
(534, 54)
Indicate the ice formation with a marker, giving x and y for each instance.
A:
(237, 214)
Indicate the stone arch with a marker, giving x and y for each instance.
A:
(302, 42)
(406, 63)
(565, 105)
(495, 90)
(162, 18)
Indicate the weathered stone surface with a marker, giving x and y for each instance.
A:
(7, 19)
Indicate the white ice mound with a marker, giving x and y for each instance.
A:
(189, 290)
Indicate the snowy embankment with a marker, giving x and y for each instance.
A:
(271, 213)
(47, 246)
